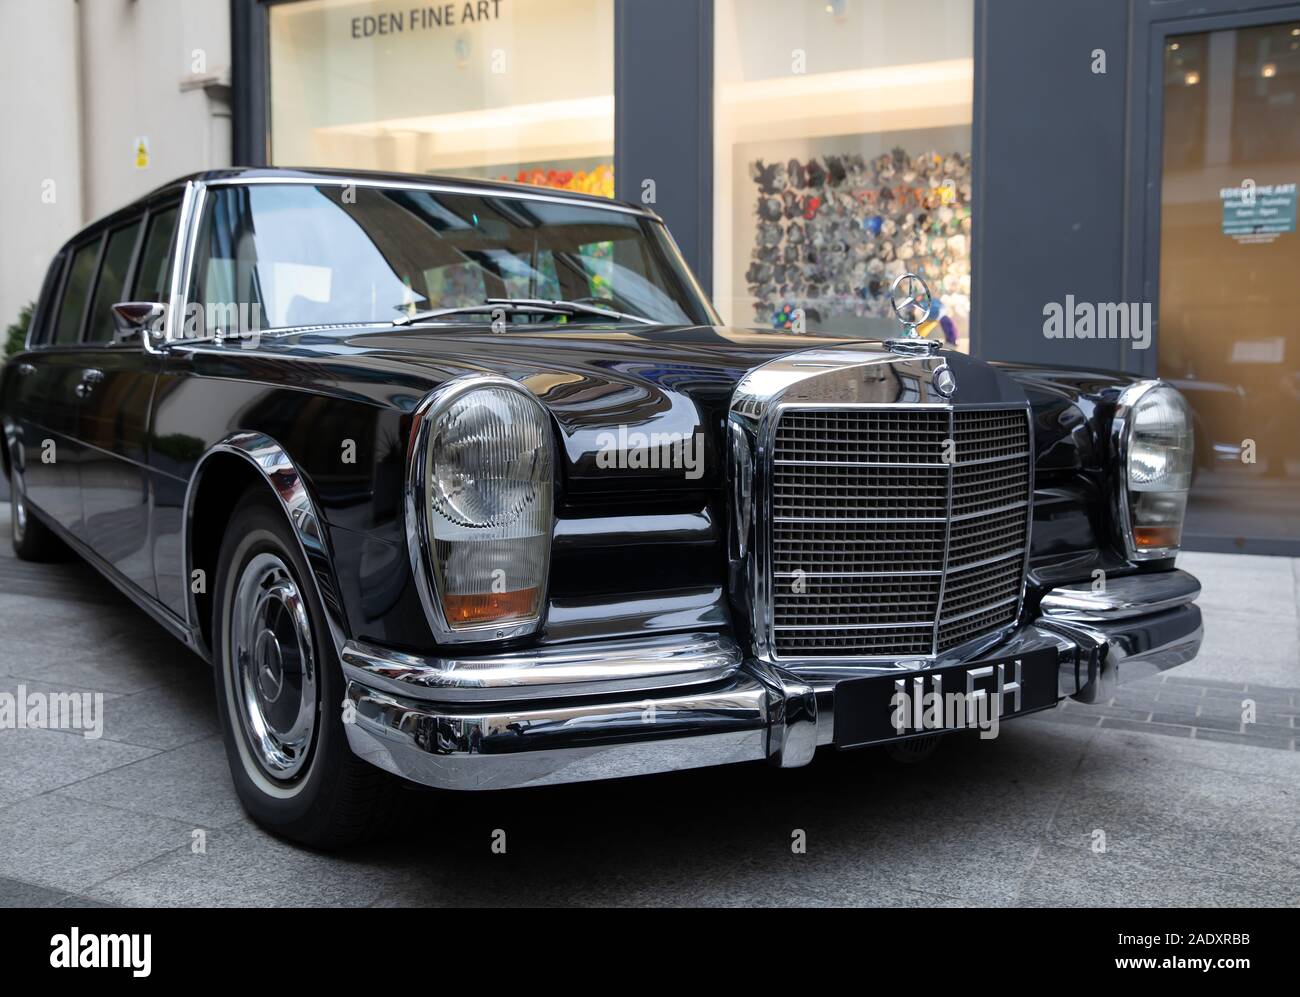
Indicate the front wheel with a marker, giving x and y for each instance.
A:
(32, 539)
(279, 690)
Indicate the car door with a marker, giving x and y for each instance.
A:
(116, 390)
(45, 400)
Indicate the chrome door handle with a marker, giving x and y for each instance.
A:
(89, 378)
(26, 369)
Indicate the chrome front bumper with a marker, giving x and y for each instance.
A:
(1140, 625)
(659, 704)
(596, 711)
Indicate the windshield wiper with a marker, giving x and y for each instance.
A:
(525, 306)
(574, 308)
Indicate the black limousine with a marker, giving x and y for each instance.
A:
(466, 484)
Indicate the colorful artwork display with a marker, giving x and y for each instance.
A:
(598, 181)
(832, 232)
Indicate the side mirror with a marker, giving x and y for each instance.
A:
(135, 320)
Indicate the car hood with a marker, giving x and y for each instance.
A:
(618, 394)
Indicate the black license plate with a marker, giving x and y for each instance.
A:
(868, 710)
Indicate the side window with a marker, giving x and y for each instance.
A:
(225, 265)
(75, 291)
(112, 281)
(153, 277)
(46, 304)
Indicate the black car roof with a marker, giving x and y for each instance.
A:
(175, 187)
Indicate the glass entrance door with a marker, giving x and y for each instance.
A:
(1230, 274)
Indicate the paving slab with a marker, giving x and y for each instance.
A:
(63, 843)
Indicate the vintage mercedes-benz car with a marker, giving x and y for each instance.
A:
(465, 483)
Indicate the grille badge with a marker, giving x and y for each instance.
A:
(943, 381)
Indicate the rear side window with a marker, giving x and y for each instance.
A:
(46, 304)
(75, 291)
(112, 281)
(153, 279)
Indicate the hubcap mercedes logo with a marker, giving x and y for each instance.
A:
(943, 381)
(270, 666)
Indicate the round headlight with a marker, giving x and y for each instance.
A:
(489, 459)
(1158, 451)
(487, 485)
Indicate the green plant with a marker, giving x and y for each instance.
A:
(16, 334)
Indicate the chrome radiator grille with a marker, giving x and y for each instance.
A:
(879, 547)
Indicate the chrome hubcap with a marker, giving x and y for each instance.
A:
(274, 666)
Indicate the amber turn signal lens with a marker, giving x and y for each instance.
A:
(1147, 537)
(492, 607)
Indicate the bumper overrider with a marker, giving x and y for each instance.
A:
(604, 710)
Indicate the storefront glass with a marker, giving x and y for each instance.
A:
(842, 158)
(1229, 256)
(504, 89)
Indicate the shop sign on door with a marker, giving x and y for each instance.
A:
(1258, 213)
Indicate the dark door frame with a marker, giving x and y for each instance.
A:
(1153, 22)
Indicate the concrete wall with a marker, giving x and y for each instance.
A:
(40, 168)
(80, 81)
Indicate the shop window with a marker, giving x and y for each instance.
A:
(842, 159)
(1229, 253)
(519, 90)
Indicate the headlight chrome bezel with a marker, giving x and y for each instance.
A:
(419, 527)
(1123, 426)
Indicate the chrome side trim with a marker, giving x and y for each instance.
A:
(433, 185)
(586, 669)
(275, 465)
(418, 541)
(187, 225)
(1129, 596)
(192, 220)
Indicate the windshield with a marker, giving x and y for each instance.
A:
(289, 255)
